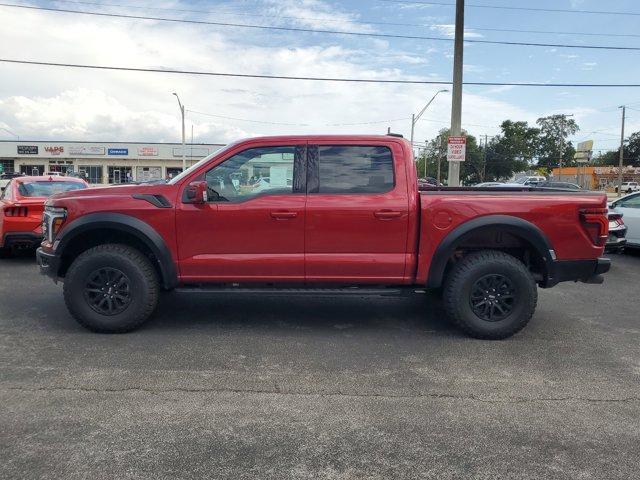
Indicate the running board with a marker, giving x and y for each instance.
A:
(282, 291)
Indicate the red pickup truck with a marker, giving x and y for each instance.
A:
(315, 214)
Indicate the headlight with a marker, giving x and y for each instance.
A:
(52, 222)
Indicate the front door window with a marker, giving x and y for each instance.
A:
(251, 173)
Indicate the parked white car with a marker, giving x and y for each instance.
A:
(629, 207)
(628, 187)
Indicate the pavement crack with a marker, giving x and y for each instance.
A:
(279, 391)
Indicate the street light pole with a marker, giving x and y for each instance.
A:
(456, 97)
(415, 118)
(184, 147)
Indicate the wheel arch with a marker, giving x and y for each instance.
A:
(526, 232)
(99, 228)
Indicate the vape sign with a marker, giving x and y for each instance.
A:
(54, 150)
(456, 149)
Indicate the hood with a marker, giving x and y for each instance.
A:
(116, 190)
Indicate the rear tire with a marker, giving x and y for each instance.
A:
(490, 295)
(111, 288)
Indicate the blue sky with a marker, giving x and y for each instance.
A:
(83, 105)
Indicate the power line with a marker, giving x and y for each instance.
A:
(316, 79)
(310, 30)
(299, 124)
(350, 20)
(502, 7)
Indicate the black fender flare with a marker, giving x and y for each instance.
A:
(128, 224)
(515, 225)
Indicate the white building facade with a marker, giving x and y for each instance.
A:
(100, 162)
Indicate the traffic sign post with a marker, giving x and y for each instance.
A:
(456, 149)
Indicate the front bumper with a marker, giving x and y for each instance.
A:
(586, 271)
(21, 239)
(49, 263)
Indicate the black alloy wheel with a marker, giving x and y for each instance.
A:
(108, 291)
(493, 297)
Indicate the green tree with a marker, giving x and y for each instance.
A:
(631, 153)
(552, 140)
(512, 151)
(435, 149)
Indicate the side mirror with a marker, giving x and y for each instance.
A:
(196, 193)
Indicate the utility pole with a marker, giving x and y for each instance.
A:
(621, 160)
(184, 147)
(456, 101)
(439, 155)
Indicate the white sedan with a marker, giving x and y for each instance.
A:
(629, 207)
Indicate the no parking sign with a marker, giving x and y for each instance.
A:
(456, 149)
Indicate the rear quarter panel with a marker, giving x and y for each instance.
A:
(556, 214)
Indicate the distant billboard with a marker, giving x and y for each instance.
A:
(583, 152)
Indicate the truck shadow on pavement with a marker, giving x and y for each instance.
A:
(415, 313)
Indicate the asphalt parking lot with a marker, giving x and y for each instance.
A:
(268, 387)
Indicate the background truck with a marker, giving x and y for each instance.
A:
(337, 214)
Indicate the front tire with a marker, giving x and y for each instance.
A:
(490, 295)
(111, 289)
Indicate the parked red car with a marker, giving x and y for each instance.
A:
(342, 212)
(21, 207)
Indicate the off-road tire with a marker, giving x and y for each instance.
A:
(464, 277)
(143, 289)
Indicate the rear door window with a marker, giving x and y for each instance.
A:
(354, 169)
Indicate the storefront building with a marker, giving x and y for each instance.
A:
(596, 178)
(99, 162)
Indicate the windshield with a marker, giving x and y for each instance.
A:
(180, 176)
(46, 189)
(521, 180)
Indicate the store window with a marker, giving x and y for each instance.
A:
(148, 174)
(173, 172)
(120, 175)
(7, 166)
(35, 170)
(61, 167)
(91, 173)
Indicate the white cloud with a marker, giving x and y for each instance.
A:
(315, 14)
(449, 30)
(74, 104)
